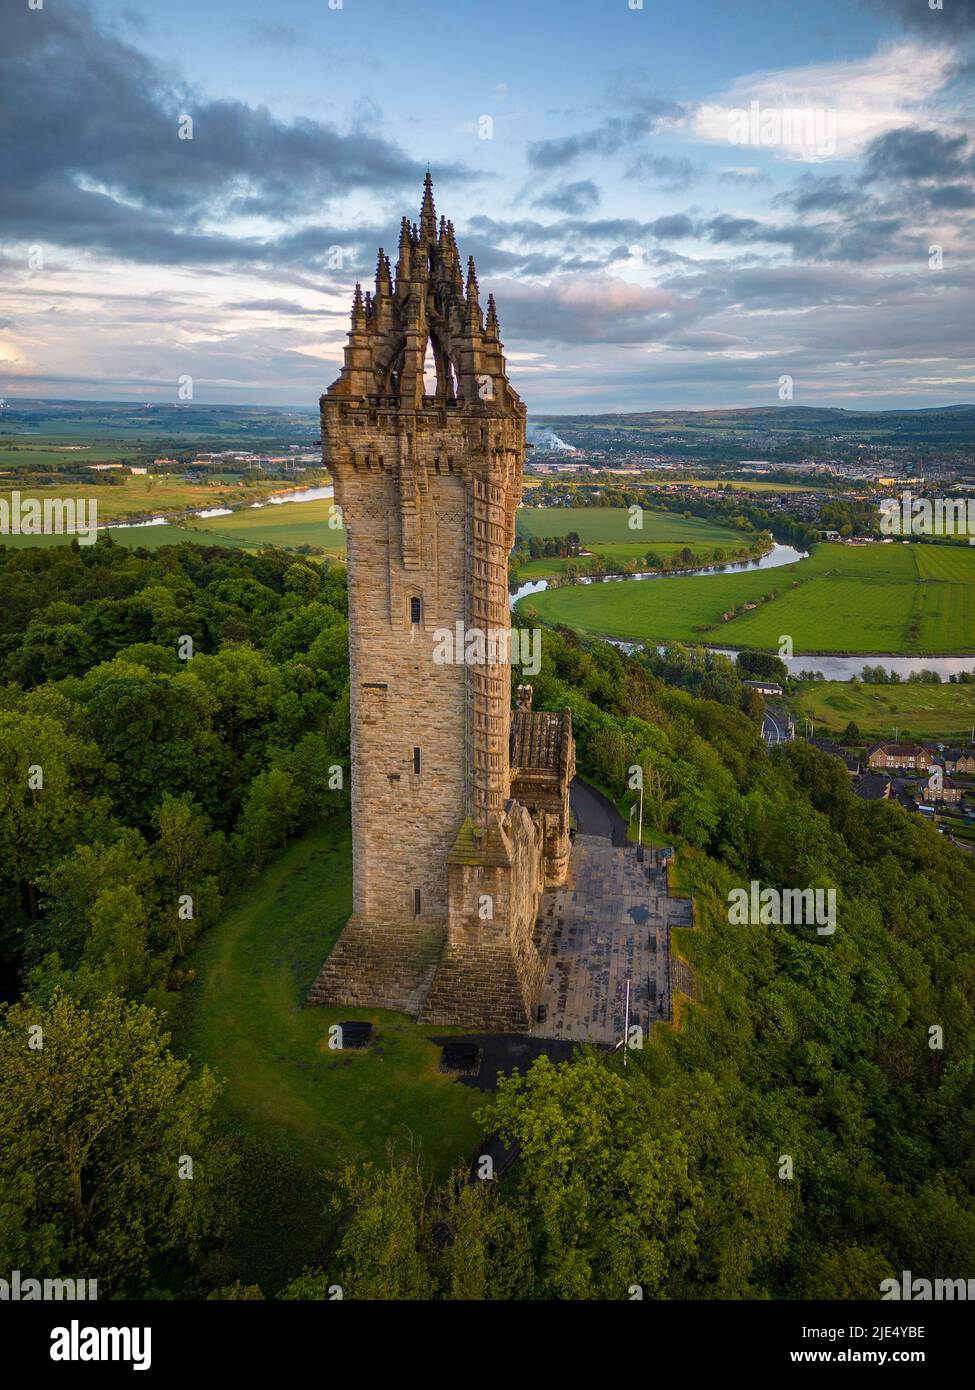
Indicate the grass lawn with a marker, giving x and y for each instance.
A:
(870, 599)
(246, 1017)
(304, 1109)
(928, 711)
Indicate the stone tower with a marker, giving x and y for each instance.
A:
(428, 473)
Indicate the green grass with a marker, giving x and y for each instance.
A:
(929, 711)
(246, 1017)
(134, 538)
(601, 524)
(285, 524)
(871, 599)
(606, 531)
(144, 494)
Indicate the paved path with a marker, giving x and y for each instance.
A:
(611, 922)
(595, 814)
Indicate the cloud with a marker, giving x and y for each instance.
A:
(672, 173)
(912, 153)
(855, 101)
(611, 135)
(97, 162)
(578, 197)
(591, 309)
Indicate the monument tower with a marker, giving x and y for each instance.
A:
(427, 467)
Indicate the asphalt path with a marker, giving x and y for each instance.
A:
(595, 814)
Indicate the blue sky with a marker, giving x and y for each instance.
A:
(646, 246)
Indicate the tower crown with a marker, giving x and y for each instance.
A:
(427, 305)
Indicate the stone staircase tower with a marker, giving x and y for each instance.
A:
(428, 475)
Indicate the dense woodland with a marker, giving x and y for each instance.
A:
(165, 777)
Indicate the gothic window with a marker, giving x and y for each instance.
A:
(430, 382)
(416, 609)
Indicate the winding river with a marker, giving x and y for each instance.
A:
(833, 668)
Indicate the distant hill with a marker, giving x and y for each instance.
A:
(765, 427)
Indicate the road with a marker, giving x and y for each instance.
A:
(595, 814)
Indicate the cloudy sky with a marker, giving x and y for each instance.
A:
(674, 205)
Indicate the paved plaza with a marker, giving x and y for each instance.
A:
(610, 923)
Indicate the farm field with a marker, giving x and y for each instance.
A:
(133, 537)
(143, 495)
(871, 599)
(927, 711)
(285, 524)
(606, 531)
(602, 524)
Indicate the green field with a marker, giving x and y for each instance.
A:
(872, 599)
(606, 531)
(149, 495)
(601, 524)
(134, 538)
(927, 711)
(286, 524)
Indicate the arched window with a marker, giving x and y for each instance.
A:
(430, 382)
(416, 609)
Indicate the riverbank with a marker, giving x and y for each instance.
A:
(864, 604)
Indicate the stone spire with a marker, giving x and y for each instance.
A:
(473, 303)
(428, 213)
(430, 305)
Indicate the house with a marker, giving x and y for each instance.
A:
(941, 788)
(957, 760)
(849, 760)
(765, 687)
(870, 786)
(889, 757)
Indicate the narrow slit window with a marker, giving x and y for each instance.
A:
(416, 610)
(416, 760)
(416, 902)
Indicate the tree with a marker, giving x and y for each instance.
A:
(269, 812)
(379, 1257)
(98, 1123)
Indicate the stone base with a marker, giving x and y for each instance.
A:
(485, 988)
(381, 966)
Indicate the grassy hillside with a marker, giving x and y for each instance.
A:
(245, 1016)
(928, 711)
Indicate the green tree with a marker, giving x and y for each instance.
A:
(97, 1125)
